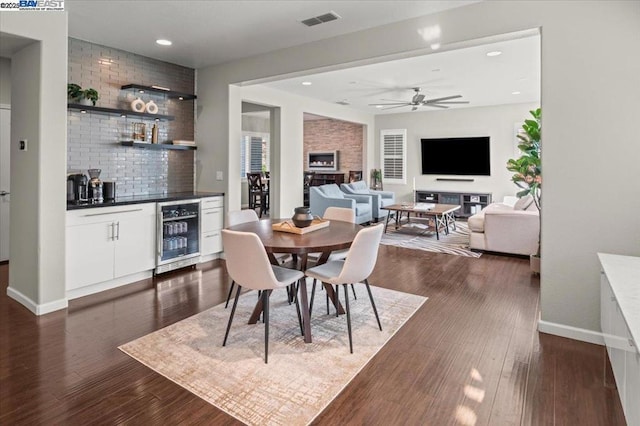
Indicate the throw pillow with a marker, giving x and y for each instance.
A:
(523, 203)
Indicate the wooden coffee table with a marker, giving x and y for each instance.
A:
(441, 215)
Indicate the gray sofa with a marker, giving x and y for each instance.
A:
(321, 197)
(379, 198)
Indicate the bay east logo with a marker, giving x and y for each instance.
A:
(41, 4)
(33, 5)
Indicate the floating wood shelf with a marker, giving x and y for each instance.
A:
(120, 112)
(157, 146)
(168, 93)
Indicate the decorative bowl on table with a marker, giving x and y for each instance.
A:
(302, 217)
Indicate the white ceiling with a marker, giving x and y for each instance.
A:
(214, 32)
(469, 72)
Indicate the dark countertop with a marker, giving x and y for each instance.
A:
(148, 198)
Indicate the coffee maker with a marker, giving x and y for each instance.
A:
(95, 186)
(77, 189)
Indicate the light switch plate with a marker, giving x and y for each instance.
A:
(219, 175)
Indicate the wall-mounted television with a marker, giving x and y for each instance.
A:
(323, 161)
(456, 156)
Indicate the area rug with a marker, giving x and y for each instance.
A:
(416, 236)
(300, 379)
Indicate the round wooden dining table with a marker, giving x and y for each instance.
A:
(337, 236)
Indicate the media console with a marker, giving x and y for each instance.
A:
(470, 202)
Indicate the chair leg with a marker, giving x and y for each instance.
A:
(375, 311)
(353, 289)
(233, 311)
(265, 307)
(327, 299)
(337, 299)
(298, 309)
(313, 294)
(233, 283)
(346, 304)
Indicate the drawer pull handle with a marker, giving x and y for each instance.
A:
(121, 211)
(212, 212)
(212, 235)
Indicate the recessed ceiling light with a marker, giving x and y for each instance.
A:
(494, 53)
(435, 46)
(164, 42)
(515, 93)
(306, 83)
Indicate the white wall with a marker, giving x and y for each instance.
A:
(590, 103)
(498, 122)
(39, 114)
(5, 81)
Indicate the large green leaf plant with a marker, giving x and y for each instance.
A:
(527, 169)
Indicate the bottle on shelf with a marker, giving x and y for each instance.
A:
(154, 133)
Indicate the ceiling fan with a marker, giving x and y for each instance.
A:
(419, 100)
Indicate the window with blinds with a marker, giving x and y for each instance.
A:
(254, 154)
(394, 156)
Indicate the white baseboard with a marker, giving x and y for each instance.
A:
(42, 309)
(108, 285)
(571, 332)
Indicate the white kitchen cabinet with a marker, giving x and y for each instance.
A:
(90, 254)
(211, 223)
(107, 243)
(135, 242)
(620, 322)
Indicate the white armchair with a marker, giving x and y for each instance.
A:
(506, 228)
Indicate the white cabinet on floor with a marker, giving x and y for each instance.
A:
(105, 244)
(211, 223)
(620, 322)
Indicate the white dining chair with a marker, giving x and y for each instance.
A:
(356, 268)
(345, 215)
(237, 217)
(248, 265)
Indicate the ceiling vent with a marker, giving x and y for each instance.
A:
(321, 19)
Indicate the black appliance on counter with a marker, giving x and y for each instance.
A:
(108, 190)
(77, 188)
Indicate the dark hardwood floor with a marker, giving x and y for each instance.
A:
(471, 355)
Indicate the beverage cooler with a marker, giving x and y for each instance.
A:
(178, 235)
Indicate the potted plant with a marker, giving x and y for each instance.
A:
(527, 171)
(84, 97)
(90, 95)
(74, 91)
(376, 178)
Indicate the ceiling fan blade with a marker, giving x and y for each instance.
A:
(436, 106)
(429, 101)
(393, 103)
(395, 100)
(397, 106)
(451, 102)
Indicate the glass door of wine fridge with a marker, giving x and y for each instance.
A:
(178, 235)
